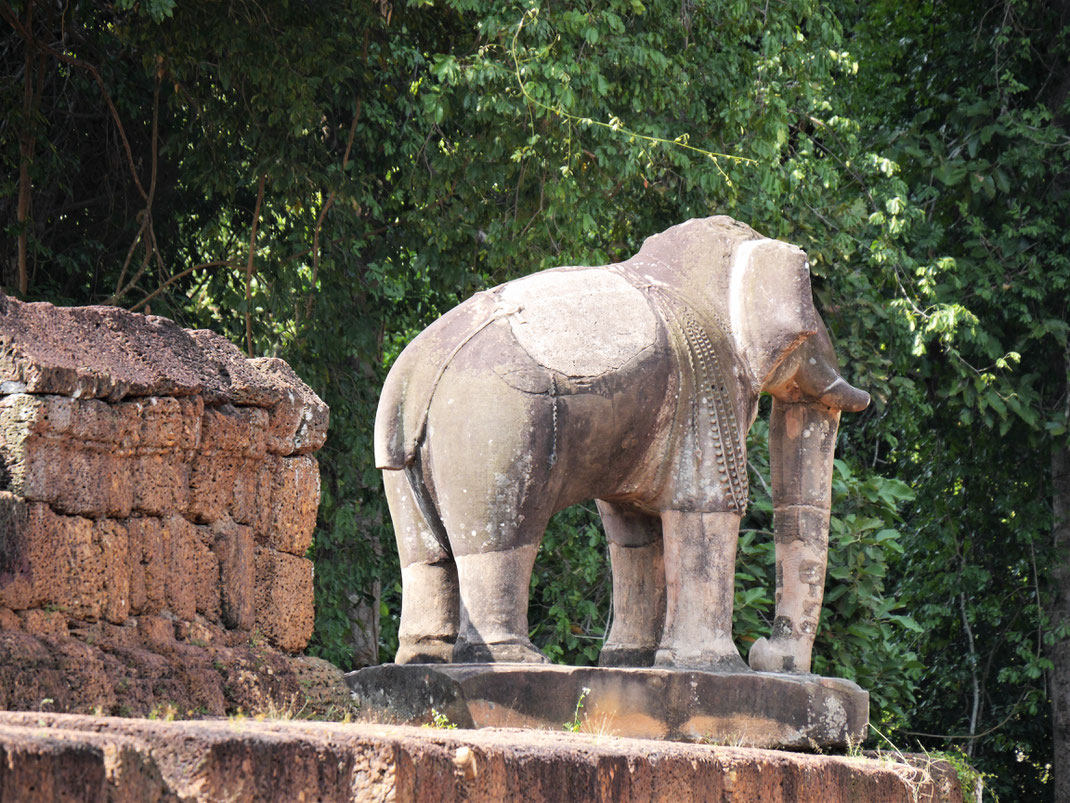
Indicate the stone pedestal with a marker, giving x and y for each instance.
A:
(743, 709)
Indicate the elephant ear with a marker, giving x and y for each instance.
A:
(771, 304)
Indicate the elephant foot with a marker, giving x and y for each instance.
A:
(425, 651)
(722, 661)
(509, 652)
(620, 655)
(780, 655)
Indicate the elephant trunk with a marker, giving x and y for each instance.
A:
(802, 440)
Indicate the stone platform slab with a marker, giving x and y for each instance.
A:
(65, 757)
(745, 709)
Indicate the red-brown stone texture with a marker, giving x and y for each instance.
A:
(152, 480)
(193, 668)
(47, 756)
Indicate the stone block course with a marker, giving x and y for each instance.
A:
(253, 485)
(234, 548)
(161, 484)
(298, 422)
(247, 760)
(294, 497)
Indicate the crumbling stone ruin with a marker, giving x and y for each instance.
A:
(158, 492)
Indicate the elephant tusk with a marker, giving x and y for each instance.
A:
(840, 395)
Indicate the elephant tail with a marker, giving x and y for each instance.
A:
(397, 451)
(389, 438)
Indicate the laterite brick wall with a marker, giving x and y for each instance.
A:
(152, 478)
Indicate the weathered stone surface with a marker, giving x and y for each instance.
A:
(108, 353)
(253, 484)
(634, 382)
(751, 709)
(54, 560)
(295, 498)
(43, 623)
(166, 423)
(298, 423)
(95, 352)
(274, 760)
(9, 620)
(71, 765)
(236, 551)
(191, 567)
(212, 481)
(232, 378)
(161, 484)
(142, 666)
(284, 613)
(112, 539)
(78, 478)
(136, 481)
(149, 564)
(49, 767)
(236, 430)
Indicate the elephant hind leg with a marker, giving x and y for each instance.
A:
(429, 598)
(494, 607)
(637, 558)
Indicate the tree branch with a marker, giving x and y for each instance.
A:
(146, 234)
(203, 266)
(327, 205)
(8, 14)
(249, 267)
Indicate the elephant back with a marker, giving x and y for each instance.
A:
(579, 322)
(576, 323)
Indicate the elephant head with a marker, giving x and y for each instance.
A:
(785, 343)
(758, 291)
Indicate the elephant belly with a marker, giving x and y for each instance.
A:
(510, 441)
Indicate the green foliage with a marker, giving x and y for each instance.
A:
(974, 782)
(156, 9)
(865, 633)
(570, 588)
(440, 720)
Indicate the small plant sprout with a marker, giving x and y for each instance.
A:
(440, 720)
(576, 723)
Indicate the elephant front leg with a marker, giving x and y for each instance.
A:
(637, 558)
(700, 569)
(802, 438)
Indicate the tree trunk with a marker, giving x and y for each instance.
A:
(1060, 475)
(26, 147)
(363, 614)
(1060, 610)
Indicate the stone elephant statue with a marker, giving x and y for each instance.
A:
(633, 384)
